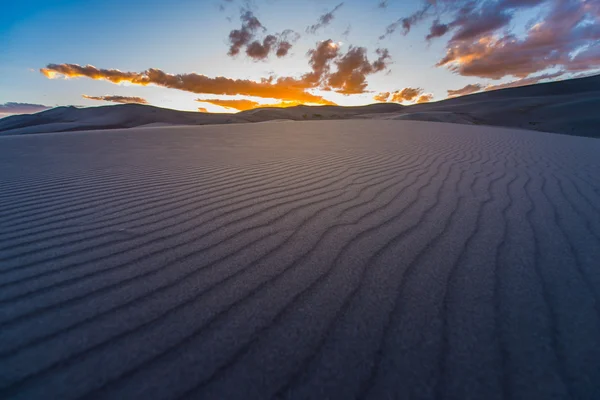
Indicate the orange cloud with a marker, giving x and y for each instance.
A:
(244, 104)
(382, 97)
(239, 105)
(118, 99)
(406, 94)
(202, 109)
(424, 98)
(281, 89)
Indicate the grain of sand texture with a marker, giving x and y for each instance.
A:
(300, 260)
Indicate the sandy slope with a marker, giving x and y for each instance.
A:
(334, 259)
(568, 107)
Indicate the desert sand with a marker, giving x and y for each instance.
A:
(368, 259)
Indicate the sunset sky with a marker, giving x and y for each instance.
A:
(241, 54)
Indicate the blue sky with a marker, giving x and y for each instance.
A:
(185, 37)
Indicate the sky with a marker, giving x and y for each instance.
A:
(231, 55)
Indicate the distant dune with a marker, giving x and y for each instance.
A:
(568, 107)
(371, 259)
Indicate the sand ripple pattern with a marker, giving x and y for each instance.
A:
(300, 260)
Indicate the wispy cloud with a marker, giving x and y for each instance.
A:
(11, 108)
(468, 89)
(244, 104)
(525, 81)
(324, 20)
(117, 99)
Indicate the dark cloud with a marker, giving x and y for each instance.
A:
(437, 29)
(347, 32)
(407, 22)
(471, 88)
(353, 68)
(118, 99)
(239, 38)
(481, 43)
(223, 3)
(20, 108)
(283, 48)
(320, 59)
(324, 20)
(284, 42)
(259, 49)
(566, 37)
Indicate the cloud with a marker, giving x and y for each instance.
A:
(118, 99)
(320, 59)
(525, 81)
(283, 89)
(353, 68)
(240, 105)
(567, 38)
(470, 18)
(566, 35)
(244, 104)
(424, 98)
(407, 22)
(239, 38)
(347, 32)
(21, 108)
(349, 76)
(437, 29)
(202, 109)
(283, 48)
(324, 20)
(414, 95)
(406, 94)
(259, 49)
(382, 97)
(471, 88)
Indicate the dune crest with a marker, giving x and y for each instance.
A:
(567, 107)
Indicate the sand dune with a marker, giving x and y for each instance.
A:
(568, 107)
(333, 259)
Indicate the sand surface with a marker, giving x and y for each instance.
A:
(334, 259)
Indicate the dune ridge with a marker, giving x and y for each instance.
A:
(341, 259)
(567, 107)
